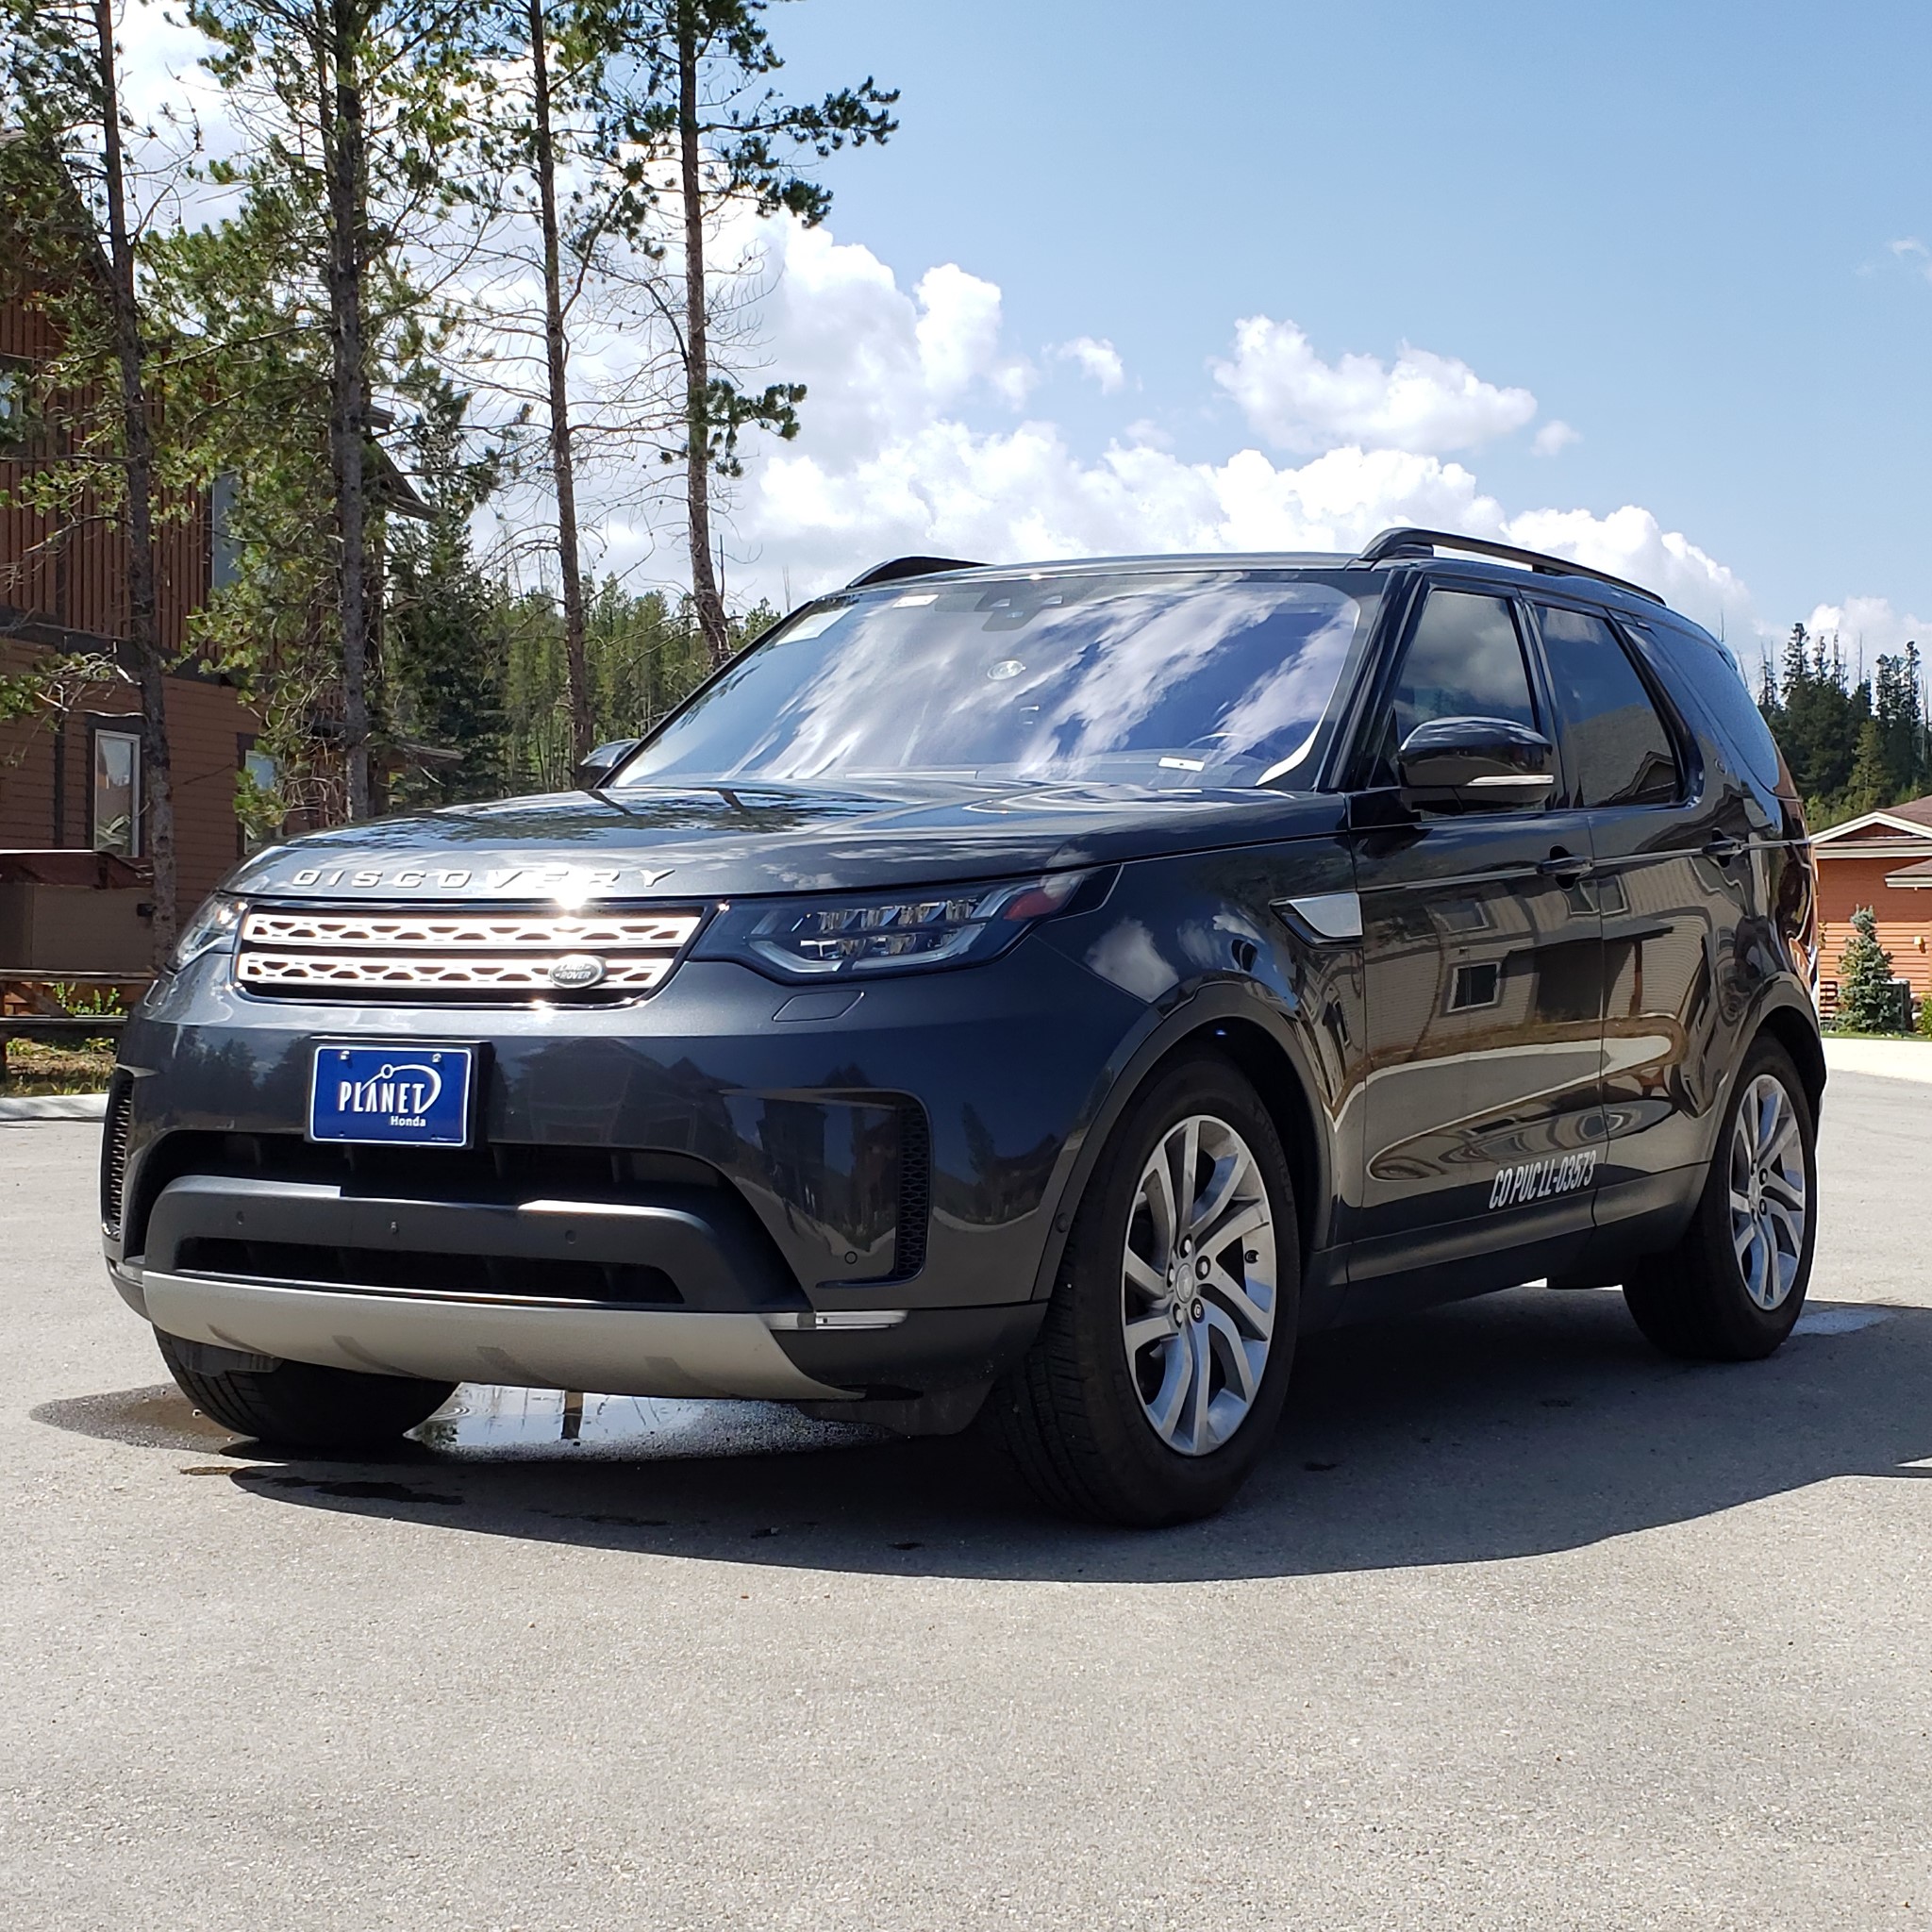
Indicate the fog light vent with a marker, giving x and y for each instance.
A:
(114, 1149)
(915, 1191)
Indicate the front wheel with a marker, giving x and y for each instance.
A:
(1732, 1288)
(301, 1406)
(1160, 1370)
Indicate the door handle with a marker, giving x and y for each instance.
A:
(1724, 848)
(1566, 868)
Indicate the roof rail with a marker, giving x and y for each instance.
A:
(1407, 542)
(897, 567)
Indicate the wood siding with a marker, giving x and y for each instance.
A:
(46, 778)
(75, 579)
(1904, 916)
(67, 590)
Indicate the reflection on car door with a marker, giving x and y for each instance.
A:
(1483, 984)
(1670, 879)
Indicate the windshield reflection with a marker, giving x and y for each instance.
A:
(1204, 679)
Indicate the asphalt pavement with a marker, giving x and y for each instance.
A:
(1520, 1626)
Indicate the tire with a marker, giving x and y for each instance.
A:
(1082, 1415)
(1723, 1293)
(299, 1406)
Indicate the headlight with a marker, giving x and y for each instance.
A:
(211, 927)
(830, 935)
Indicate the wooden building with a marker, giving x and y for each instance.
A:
(1882, 859)
(71, 777)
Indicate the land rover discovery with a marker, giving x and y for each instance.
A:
(1033, 996)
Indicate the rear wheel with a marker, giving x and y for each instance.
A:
(299, 1406)
(1159, 1375)
(1733, 1286)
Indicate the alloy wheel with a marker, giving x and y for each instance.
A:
(1767, 1193)
(1198, 1284)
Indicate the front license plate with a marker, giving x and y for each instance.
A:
(411, 1095)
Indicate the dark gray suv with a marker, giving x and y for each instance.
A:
(1036, 993)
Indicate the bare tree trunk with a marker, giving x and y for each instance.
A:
(697, 360)
(582, 727)
(348, 425)
(158, 783)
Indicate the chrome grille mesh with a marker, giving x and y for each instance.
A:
(482, 955)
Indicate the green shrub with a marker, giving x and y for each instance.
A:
(1866, 1003)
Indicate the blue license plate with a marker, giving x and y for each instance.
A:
(409, 1095)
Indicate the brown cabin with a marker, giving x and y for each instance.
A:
(1882, 859)
(73, 780)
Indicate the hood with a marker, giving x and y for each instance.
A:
(707, 842)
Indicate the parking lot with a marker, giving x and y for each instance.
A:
(1520, 1626)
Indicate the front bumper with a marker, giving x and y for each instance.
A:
(784, 1355)
(699, 1195)
(458, 1339)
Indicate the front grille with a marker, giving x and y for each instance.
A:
(477, 957)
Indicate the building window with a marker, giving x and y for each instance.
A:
(12, 403)
(257, 803)
(117, 793)
(224, 553)
(1480, 985)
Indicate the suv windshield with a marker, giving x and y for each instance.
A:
(1189, 679)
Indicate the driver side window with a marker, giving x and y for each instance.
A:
(1464, 660)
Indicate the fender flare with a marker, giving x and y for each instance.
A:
(1140, 1052)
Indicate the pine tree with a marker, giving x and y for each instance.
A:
(1866, 1003)
(353, 113)
(734, 142)
(447, 637)
(1871, 783)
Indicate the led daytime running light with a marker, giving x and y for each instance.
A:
(213, 926)
(809, 937)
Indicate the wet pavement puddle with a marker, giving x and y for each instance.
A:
(1839, 1318)
(483, 1423)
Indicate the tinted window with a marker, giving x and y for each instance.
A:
(1721, 685)
(1464, 660)
(1616, 745)
(1206, 678)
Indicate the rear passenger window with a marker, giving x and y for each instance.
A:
(1721, 685)
(1464, 660)
(1617, 747)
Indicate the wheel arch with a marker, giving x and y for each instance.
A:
(1796, 1031)
(1259, 1042)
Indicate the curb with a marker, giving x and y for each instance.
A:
(1888, 1059)
(54, 1107)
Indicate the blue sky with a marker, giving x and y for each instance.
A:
(1650, 285)
(1674, 224)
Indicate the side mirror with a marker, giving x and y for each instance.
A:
(1476, 764)
(597, 768)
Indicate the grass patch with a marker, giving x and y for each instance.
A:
(37, 1067)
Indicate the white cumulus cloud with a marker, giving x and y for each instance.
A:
(1100, 360)
(893, 459)
(958, 336)
(1426, 402)
(1869, 626)
(1554, 436)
